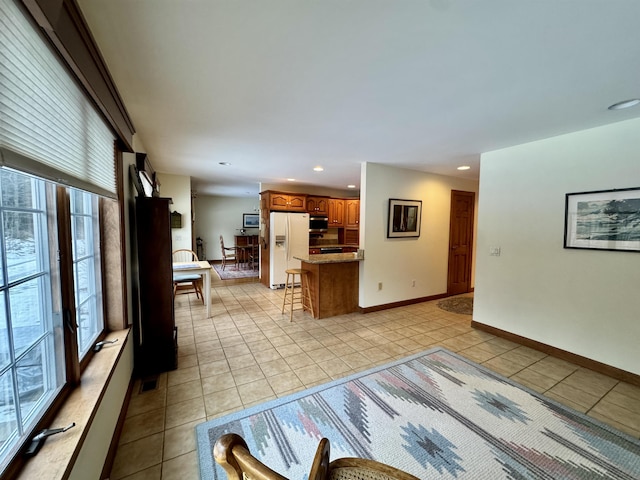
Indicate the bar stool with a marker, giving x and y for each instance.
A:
(302, 296)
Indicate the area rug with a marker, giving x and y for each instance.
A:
(435, 415)
(231, 272)
(463, 305)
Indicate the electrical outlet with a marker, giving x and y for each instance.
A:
(494, 251)
(379, 285)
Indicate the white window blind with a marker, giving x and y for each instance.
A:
(48, 126)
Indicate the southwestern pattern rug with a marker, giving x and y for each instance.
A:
(231, 272)
(435, 415)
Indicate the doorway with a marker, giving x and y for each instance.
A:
(460, 242)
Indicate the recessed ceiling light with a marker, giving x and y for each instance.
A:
(464, 167)
(226, 164)
(351, 186)
(291, 179)
(625, 104)
(318, 169)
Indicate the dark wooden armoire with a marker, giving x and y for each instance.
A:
(155, 332)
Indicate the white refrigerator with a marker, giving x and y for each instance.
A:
(288, 237)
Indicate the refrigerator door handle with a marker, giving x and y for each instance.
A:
(287, 232)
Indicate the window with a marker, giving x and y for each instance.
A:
(32, 366)
(85, 234)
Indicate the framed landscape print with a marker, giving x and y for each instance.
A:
(603, 220)
(250, 220)
(404, 218)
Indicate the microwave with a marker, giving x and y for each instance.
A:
(318, 224)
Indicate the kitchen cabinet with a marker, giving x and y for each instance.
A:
(352, 209)
(336, 213)
(286, 202)
(318, 205)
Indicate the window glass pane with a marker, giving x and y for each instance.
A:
(5, 356)
(8, 417)
(86, 268)
(20, 243)
(30, 370)
(32, 362)
(27, 322)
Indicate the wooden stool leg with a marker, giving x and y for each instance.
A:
(286, 289)
(306, 295)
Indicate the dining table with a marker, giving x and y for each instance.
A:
(200, 268)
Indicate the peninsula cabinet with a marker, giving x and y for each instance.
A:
(286, 202)
(336, 213)
(154, 330)
(318, 205)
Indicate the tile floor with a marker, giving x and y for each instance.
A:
(248, 352)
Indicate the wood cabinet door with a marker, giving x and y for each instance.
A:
(297, 203)
(336, 212)
(352, 208)
(278, 201)
(318, 205)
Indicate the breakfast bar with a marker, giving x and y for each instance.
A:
(333, 282)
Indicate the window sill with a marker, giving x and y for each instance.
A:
(59, 453)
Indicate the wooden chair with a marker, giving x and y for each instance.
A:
(232, 454)
(228, 253)
(186, 282)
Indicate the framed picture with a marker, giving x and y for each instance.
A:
(603, 220)
(404, 218)
(250, 220)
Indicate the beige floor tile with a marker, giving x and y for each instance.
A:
(531, 378)
(617, 414)
(222, 401)
(180, 440)
(312, 374)
(181, 468)
(590, 382)
(139, 426)
(184, 375)
(246, 375)
(152, 473)
(255, 391)
(185, 412)
(184, 391)
(554, 368)
(284, 382)
(138, 455)
(214, 368)
(575, 395)
(147, 401)
(502, 366)
(243, 361)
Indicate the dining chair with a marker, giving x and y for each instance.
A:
(187, 282)
(228, 253)
(232, 454)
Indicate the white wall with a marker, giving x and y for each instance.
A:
(178, 188)
(217, 216)
(397, 262)
(582, 301)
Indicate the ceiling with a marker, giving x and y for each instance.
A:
(276, 87)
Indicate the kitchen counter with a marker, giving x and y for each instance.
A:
(333, 282)
(330, 258)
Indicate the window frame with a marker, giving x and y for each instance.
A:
(59, 243)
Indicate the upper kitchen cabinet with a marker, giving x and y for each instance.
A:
(336, 212)
(318, 205)
(352, 208)
(286, 202)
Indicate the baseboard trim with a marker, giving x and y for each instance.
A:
(594, 365)
(402, 303)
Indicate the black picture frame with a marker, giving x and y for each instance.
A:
(250, 220)
(405, 217)
(603, 220)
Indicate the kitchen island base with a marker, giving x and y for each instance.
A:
(333, 286)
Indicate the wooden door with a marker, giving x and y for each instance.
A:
(460, 242)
